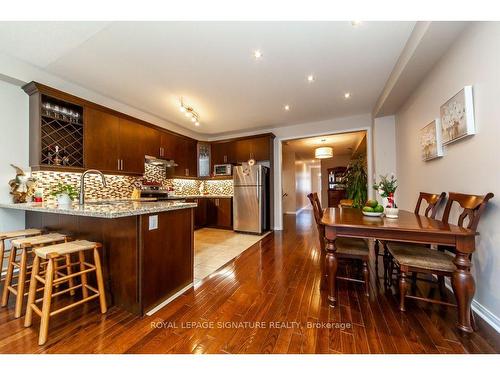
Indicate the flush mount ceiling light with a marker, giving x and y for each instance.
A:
(347, 95)
(356, 23)
(311, 78)
(324, 152)
(257, 54)
(190, 113)
(286, 107)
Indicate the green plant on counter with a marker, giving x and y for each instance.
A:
(65, 189)
(356, 180)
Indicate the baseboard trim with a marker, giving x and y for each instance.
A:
(301, 209)
(483, 312)
(168, 300)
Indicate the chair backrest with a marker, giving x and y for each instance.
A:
(316, 204)
(472, 205)
(432, 200)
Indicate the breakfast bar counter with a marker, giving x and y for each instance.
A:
(148, 246)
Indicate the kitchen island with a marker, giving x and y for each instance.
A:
(148, 246)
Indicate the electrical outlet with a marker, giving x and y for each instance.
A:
(153, 222)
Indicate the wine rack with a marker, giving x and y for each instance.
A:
(61, 133)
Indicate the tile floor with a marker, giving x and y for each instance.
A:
(215, 247)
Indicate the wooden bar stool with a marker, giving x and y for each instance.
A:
(51, 254)
(22, 247)
(9, 236)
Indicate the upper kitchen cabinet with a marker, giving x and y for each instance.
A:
(185, 155)
(223, 152)
(102, 133)
(114, 144)
(242, 149)
(56, 128)
(132, 146)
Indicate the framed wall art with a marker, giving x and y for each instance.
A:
(430, 141)
(457, 116)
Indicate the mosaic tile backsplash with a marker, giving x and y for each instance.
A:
(119, 187)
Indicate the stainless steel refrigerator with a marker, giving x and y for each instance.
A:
(251, 198)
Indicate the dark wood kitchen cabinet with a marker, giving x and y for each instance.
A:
(223, 153)
(113, 144)
(132, 150)
(101, 145)
(240, 150)
(185, 157)
(200, 213)
(220, 213)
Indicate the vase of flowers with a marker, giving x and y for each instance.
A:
(386, 188)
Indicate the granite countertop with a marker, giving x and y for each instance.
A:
(103, 209)
(180, 196)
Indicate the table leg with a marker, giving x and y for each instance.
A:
(464, 287)
(331, 268)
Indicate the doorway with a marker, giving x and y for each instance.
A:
(305, 170)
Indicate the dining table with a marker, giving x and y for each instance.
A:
(407, 227)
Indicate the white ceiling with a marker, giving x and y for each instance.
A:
(150, 65)
(342, 144)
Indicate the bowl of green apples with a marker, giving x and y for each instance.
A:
(373, 208)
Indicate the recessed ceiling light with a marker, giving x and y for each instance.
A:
(197, 123)
(356, 23)
(311, 78)
(257, 54)
(347, 95)
(182, 109)
(286, 107)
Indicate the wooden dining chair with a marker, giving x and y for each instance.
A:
(422, 259)
(432, 201)
(348, 249)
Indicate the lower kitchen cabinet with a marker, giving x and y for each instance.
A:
(214, 212)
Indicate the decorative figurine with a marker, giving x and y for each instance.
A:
(22, 186)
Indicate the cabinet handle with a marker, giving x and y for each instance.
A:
(118, 160)
(225, 158)
(251, 155)
(187, 171)
(122, 164)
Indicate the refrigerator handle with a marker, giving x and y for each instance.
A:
(258, 185)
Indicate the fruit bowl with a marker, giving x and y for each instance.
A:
(373, 214)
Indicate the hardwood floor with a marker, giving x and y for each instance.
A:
(275, 283)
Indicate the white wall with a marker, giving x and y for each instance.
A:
(13, 147)
(471, 165)
(384, 150)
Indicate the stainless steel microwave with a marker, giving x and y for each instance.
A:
(223, 170)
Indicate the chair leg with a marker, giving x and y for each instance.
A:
(442, 288)
(390, 272)
(366, 277)
(387, 260)
(8, 277)
(403, 288)
(69, 271)
(376, 247)
(2, 251)
(100, 281)
(32, 292)
(81, 257)
(47, 300)
(21, 282)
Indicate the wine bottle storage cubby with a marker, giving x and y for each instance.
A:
(61, 132)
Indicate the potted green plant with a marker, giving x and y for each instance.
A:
(356, 181)
(65, 194)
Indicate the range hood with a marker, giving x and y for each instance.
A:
(167, 163)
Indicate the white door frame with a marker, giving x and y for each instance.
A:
(278, 208)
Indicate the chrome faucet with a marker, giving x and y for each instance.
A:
(81, 200)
